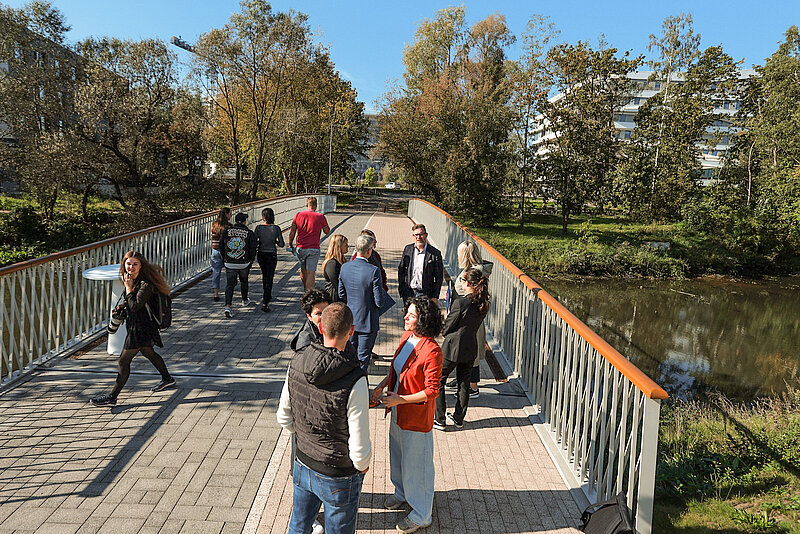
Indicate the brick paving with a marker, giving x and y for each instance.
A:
(199, 458)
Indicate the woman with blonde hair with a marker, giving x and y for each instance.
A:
(334, 259)
(469, 256)
(143, 281)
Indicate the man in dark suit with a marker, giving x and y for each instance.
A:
(361, 287)
(421, 270)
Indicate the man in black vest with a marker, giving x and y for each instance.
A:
(325, 403)
(421, 271)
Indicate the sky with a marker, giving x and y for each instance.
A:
(366, 38)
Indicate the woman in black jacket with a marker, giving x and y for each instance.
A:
(460, 345)
(143, 281)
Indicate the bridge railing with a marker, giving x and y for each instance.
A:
(49, 309)
(600, 411)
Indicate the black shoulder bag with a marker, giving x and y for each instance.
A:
(609, 517)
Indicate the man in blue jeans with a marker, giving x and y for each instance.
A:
(325, 403)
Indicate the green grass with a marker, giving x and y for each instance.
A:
(612, 245)
(729, 467)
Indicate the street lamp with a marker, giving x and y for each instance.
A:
(330, 156)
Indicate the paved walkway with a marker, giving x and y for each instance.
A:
(209, 456)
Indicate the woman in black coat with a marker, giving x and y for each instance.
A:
(460, 345)
(142, 283)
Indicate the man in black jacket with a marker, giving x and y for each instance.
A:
(421, 271)
(325, 404)
(239, 246)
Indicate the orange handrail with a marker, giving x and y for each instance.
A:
(623, 365)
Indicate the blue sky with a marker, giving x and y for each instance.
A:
(366, 38)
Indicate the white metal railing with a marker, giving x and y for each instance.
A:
(600, 410)
(49, 309)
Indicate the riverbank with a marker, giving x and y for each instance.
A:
(729, 467)
(611, 245)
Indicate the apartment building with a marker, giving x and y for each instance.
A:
(716, 142)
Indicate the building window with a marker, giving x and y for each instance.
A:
(627, 134)
(658, 86)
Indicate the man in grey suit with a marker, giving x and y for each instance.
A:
(361, 287)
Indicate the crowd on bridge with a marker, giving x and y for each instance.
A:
(325, 399)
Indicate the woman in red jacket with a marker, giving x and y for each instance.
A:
(414, 380)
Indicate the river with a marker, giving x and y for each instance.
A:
(694, 336)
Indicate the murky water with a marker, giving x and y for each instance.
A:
(739, 338)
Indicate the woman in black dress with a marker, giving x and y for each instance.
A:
(142, 282)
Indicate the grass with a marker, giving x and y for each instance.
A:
(611, 245)
(729, 467)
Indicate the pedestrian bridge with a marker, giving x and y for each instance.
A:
(565, 421)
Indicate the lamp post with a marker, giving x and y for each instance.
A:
(330, 156)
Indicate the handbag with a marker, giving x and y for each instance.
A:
(609, 517)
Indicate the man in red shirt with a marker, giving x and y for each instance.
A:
(308, 225)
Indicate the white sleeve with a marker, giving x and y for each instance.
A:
(358, 425)
(284, 414)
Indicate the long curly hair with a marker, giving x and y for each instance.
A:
(149, 271)
(429, 316)
(480, 288)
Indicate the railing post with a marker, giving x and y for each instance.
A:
(647, 469)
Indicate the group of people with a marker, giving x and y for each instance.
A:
(325, 399)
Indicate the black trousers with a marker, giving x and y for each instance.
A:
(125, 360)
(231, 276)
(267, 261)
(463, 372)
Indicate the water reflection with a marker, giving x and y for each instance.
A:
(742, 339)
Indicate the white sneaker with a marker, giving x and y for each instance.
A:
(317, 528)
(228, 312)
(246, 302)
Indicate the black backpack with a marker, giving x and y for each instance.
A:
(161, 310)
(609, 517)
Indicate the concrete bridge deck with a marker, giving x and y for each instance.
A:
(209, 455)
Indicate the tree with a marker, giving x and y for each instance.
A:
(448, 127)
(578, 159)
(370, 177)
(124, 105)
(36, 101)
(529, 81)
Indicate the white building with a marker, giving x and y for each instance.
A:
(715, 143)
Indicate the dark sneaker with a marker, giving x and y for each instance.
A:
(406, 526)
(228, 312)
(216, 298)
(453, 384)
(454, 422)
(164, 384)
(246, 302)
(439, 426)
(104, 400)
(474, 393)
(265, 308)
(393, 503)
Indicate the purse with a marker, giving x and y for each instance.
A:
(609, 517)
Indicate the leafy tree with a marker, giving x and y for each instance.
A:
(370, 177)
(529, 80)
(35, 101)
(578, 159)
(448, 127)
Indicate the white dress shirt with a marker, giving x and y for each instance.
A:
(417, 266)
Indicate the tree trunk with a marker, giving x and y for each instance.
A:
(85, 201)
(564, 218)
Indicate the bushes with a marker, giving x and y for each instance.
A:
(743, 455)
